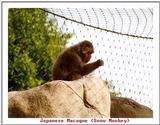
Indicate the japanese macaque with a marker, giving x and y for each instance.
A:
(71, 64)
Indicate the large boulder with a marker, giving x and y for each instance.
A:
(86, 97)
(127, 108)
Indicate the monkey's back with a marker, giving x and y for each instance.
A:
(65, 64)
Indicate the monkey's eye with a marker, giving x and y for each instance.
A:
(90, 52)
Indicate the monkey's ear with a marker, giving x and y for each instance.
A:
(82, 48)
(84, 51)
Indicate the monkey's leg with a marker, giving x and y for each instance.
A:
(74, 76)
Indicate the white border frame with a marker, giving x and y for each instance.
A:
(33, 4)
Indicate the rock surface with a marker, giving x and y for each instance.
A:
(128, 108)
(87, 97)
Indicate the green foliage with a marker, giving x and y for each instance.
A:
(34, 43)
(113, 92)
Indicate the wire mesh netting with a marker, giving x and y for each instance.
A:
(122, 38)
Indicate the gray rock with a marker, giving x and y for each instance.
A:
(87, 97)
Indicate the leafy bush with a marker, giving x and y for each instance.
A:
(113, 92)
(34, 43)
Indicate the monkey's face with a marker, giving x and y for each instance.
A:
(87, 50)
(87, 57)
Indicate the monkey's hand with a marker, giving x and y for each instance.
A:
(100, 62)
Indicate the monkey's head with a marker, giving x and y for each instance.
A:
(86, 49)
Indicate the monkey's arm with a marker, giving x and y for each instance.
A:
(88, 68)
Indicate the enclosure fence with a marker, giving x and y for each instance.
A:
(122, 38)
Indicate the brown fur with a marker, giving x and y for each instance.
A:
(71, 63)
